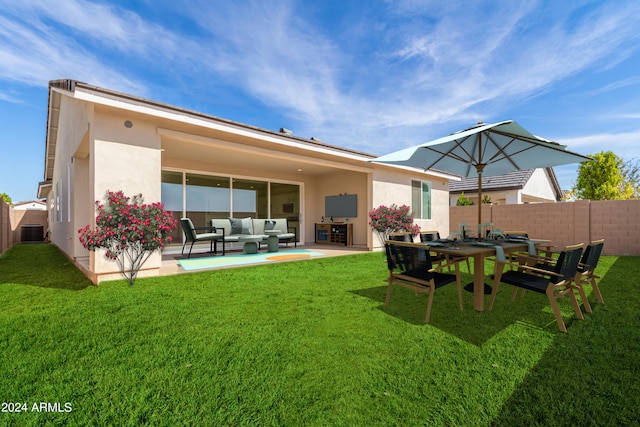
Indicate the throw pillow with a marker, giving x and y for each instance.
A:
(236, 225)
(247, 226)
(269, 225)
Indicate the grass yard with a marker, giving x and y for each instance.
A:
(306, 343)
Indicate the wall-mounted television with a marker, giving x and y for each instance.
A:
(343, 206)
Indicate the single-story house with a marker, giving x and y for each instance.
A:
(518, 187)
(205, 167)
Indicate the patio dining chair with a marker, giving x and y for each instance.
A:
(555, 282)
(401, 236)
(586, 272)
(410, 267)
(434, 236)
(192, 236)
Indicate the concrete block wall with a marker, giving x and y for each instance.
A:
(11, 222)
(6, 232)
(616, 221)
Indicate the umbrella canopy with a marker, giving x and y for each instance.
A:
(485, 149)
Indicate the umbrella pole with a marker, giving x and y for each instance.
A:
(479, 201)
(478, 299)
(479, 169)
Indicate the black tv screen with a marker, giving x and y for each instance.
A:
(341, 206)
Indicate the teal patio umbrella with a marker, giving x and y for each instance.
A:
(484, 149)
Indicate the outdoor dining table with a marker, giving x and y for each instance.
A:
(479, 253)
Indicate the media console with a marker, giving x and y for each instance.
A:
(334, 233)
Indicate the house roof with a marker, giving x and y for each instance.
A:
(510, 181)
(90, 93)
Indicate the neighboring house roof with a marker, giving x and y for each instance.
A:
(30, 205)
(510, 181)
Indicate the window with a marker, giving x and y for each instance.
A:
(57, 201)
(421, 199)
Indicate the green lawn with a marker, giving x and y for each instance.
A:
(306, 343)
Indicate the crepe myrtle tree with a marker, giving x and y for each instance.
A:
(129, 230)
(388, 219)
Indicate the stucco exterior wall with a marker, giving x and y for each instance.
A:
(538, 188)
(341, 182)
(75, 117)
(128, 159)
(390, 187)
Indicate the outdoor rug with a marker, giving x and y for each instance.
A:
(245, 259)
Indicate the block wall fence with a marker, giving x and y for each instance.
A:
(12, 222)
(6, 233)
(564, 223)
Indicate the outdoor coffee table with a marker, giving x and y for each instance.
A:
(273, 243)
(250, 243)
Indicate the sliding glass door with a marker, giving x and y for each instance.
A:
(206, 197)
(171, 188)
(203, 197)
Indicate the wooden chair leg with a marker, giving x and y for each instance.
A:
(388, 298)
(583, 297)
(429, 303)
(556, 312)
(514, 294)
(596, 289)
(459, 286)
(498, 269)
(494, 292)
(576, 306)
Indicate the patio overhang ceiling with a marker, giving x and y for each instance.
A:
(249, 154)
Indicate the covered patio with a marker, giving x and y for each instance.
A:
(172, 255)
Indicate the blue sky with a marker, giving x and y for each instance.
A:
(375, 76)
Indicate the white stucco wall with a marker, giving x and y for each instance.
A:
(75, 117)
(391, 187)
(127, 159)
(539, 187)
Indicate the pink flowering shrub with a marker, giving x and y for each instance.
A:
(389, 219)
(129, 230)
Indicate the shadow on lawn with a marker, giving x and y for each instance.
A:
(469, 325)
(40, 265)
(589, 375)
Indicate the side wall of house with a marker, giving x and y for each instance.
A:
(124, 155)
(74, 124)
(538, 188)
(390, 187)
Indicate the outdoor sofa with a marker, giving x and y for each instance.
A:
(236, 227)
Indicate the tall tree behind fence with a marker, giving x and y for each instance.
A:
(565, 223)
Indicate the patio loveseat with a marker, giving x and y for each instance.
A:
(236, 227)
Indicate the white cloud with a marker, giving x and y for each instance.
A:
(393, 80)
(624, 144)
